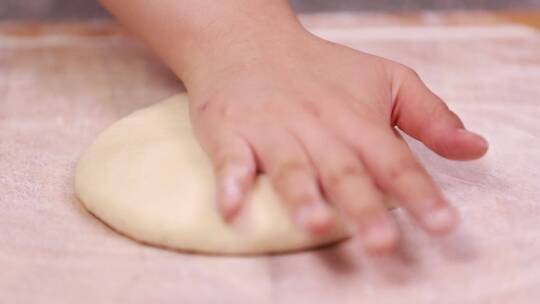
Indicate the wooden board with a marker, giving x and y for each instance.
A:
(61, 84)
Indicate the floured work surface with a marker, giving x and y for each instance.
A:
(61, 85)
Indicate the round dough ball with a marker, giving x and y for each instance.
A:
(147, 177)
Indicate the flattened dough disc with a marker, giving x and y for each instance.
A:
(148, 178)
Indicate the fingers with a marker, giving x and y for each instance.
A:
(234, 170)
(292, 175)
(394, 169)
(423, 115)
(397, 172)
(347, 184)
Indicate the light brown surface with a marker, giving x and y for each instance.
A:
(59, 87)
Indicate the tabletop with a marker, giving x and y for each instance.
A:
(61, 83)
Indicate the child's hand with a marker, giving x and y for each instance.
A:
(318, 118)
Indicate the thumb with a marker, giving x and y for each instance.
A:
(423, 115)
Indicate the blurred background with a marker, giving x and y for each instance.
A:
(76, 9)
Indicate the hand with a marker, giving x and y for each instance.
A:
(319, 119)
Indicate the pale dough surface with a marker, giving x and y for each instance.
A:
(147, 177)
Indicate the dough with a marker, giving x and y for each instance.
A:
(147, 177)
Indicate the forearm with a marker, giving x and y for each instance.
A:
(187, 32)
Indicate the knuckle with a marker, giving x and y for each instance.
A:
(408, 72)
(441, 110)
(405, 74)
(343, 172)
(300, 197)
(206, 105)
(220, 107)
(367, 211)
(398, 169)
(291, 168)
(293, 180)
(361, 210)
(231, 111)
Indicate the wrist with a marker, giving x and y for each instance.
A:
(238, 40)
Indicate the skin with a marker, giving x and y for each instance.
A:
(317, 117)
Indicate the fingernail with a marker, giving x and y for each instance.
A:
(230, 196)
(314, 218)
(380, 235)
(322, 220)
(440, 220)
(484, 143)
